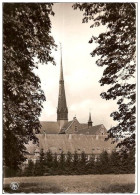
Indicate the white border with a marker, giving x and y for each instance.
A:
(138, 74)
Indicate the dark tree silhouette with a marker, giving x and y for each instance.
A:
(116, 48)
(90, 168)
(115, 162)
(29, 170)
(26, 35)
(104, 163)
(83, 163)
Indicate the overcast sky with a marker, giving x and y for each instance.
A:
(81, 74)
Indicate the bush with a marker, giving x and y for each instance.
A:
(77, 164)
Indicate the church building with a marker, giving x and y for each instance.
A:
(64, 135)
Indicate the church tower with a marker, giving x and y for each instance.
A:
(62, 110)
(89, 121)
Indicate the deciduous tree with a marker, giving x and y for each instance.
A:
(116, 49)
(26, 36)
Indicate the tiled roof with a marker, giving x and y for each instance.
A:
(94, 130)
(68, 124)
(72, 142)
(53, 128)
(83, 125)
(49, 127)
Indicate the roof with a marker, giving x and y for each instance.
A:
(83, 125)
(72, 142)
(82, 128)
(94, 130)
(49, 127)
(68, 124)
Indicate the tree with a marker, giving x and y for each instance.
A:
(75, 163)
(41, 162)
(116, 49)
(127, 161)
(131, 161)
(37, 167)
(83, 163)
(104, 163)
(62, 161)
(29, 170)
(49, 159)
(91, 165)
(26, 36)
(68, 163)
(115, 162)
(55, 162)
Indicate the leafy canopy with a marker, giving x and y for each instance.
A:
(116, 51)
(26, 35)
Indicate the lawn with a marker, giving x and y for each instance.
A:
(73, 184)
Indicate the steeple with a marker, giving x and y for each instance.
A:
(62, 110)
(61, 68)
(89, 121)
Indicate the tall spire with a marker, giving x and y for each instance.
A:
(61, 67)
(62, 110)
(89, 121)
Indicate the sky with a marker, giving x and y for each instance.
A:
(81, 74)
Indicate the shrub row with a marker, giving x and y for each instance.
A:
(49, 164)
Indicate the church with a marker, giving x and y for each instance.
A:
(64, 135)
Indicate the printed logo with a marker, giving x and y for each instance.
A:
(14, 185)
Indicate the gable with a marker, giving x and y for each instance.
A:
(94, 130)
(49, 127)
(73, 127)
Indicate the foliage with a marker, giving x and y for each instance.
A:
(37, 167)
(41, 162)
(55, 161)
(115, 162)
(90, 168)
(104, 163)
(29, 170)
(49, 159)
(26, 36)
(83, 163)
(78, 164)
(68, 163)
(128, 161)
(75, 162)
(116, 49)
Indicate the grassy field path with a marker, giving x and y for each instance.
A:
(73, 184)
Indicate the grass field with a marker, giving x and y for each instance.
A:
(73, 184)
